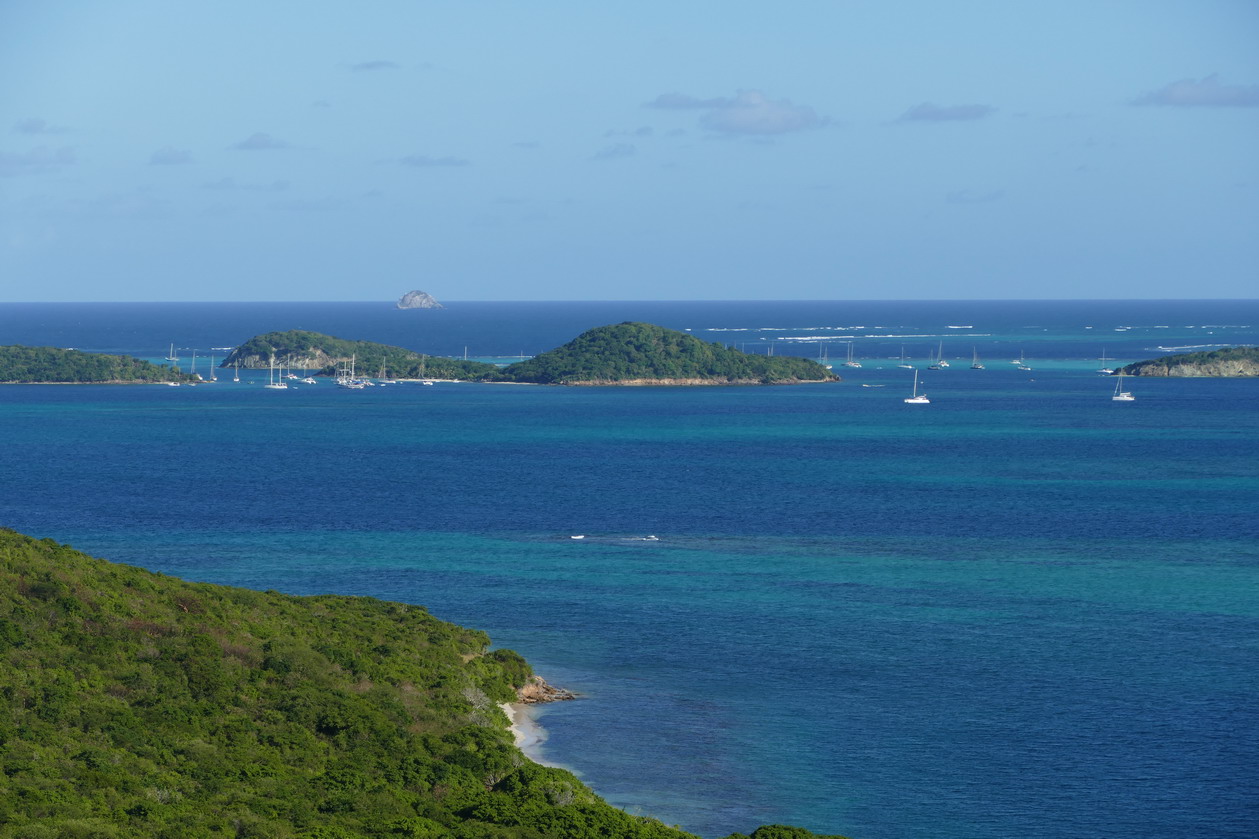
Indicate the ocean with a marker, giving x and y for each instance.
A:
(1021, 610)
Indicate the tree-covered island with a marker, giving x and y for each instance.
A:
(620, 354)
(642, 353)
(51, 365)
(134, 704)
(323, 354)
(1229, 362)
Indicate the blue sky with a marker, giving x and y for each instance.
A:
(653, 150)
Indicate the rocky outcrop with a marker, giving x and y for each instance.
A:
(418, 300)
(536, 691)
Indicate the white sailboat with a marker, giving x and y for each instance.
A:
(850, 362)
(1104, 370)
(940, 362)
(974, 364)
(1022, 365)
(917, 399)
(1122, 395)
(171, 356)
(236, 373)
(271, 382)
(213, 377)
(904, 363)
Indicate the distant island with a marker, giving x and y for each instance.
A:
(138, 704)
(418, 300)
(51, 365)
(644, 354)
(1230, 362)
(298, 349)
(621, 354)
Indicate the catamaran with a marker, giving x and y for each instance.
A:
(940, 362)
(917, 398)
(1122, 395)
(974, 363)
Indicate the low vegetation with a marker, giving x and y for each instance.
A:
(50, 365)
(323, 354)
(140, 705)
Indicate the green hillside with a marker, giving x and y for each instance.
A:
(1228, 362)
(324, 353)
(642, 352)
(57, 366)
(140, 705)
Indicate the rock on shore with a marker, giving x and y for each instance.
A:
(536, 690)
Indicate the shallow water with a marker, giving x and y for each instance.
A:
(1021, 610)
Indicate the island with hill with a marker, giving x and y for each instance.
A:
(139, 705)
(620, 354)
(299, 349)
(52, 365)
(644, 354)
(1229, 362)
(418, 300)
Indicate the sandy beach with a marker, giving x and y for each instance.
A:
(528, 734)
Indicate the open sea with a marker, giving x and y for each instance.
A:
(1023, 610)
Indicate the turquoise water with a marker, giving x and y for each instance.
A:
(1022, 610)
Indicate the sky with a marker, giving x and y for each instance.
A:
(180, 150)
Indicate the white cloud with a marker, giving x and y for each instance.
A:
(424, 161)
(260, 142)
(615, 151)
(169, 156)
(1207, 93)
(750, 112)
(930, 112)
(373, 65)
(35, 125)
(37, 160)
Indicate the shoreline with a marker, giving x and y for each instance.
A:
(527, 733)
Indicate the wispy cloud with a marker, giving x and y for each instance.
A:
(424, 161)
(930, 112)
(967, 196)
(230, 184)
(260, 142)
(35, 125)
(749, 112)
(615, 151)
(368, 66)
(169, 156)
(1207, 93)
(644, 131)
(36, 161)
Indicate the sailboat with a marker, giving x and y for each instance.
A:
(172, 356)
(213, 377)
(271, 382)
(917, 399)
(1122, 395)
(1104, 370)
(850, 362)
(1022, 365)
(974, 364)
(904, 363)
(236, 374)
(940, 362)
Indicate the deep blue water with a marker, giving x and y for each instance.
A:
(1022, 610)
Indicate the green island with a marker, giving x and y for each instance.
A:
(620, 354)
(140, 705)
(1229, 362)
(51, 365)
(324, 354)
(642, 353)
